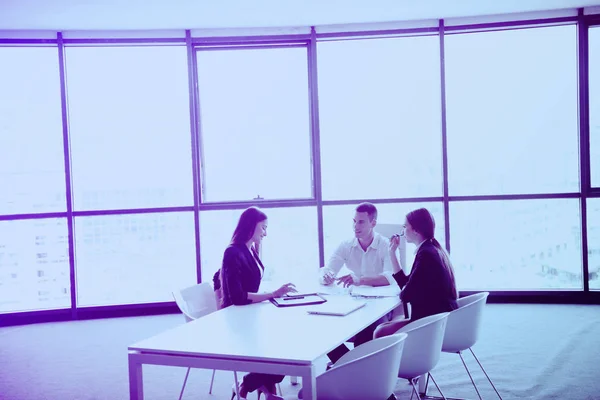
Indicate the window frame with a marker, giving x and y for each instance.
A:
(254, 43)
(581, 17)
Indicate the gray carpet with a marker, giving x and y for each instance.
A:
(530, 351)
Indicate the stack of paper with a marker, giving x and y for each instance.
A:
(379, 291)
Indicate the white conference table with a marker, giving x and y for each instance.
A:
(254, 338)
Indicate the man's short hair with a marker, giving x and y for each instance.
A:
(369, 208)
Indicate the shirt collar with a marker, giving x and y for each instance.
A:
(419, 246)
(374, 244)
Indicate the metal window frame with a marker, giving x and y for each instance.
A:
(232, 43)
(591, 22)
(584, 23)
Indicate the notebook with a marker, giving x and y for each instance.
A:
(337, 305)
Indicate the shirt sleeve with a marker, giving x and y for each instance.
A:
(400, 278)
(419, 278)
(336, 261)
(231, 276)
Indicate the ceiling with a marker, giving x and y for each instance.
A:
(191, 14)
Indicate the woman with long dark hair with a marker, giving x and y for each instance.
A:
(430, 288)
(240, 277)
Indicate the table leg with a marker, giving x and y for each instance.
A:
(309, 384)
(422, 383)
(136, 379)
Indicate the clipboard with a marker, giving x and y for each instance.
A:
(298, 300)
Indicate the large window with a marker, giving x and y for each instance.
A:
(338, 223)
(32, 174)
(254, 119)
(512, 111)
(512, 129)
(516, 244)
(593, 240)
(380, 119)
(594, 89)
(34, 265)
(133, 258)
(130, 127)
(290, 250)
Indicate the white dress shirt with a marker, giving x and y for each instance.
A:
(373, 262)
(419, 246)
(257, 263)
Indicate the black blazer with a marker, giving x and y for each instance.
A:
(428, 287)
(239, 275)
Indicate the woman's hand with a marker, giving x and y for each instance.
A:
(285, 289)
(394, 243)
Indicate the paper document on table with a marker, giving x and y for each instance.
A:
(334, 289)
(379, 291)
(315, 287)
(337, 305)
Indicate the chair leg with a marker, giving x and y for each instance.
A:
(412, 382)
(468, 372)
(486, 375)
(436, 385)
(212, 380)
(184, 382)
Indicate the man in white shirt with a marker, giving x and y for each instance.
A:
(366, 255)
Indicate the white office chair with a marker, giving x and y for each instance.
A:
(422, 348)
(462, 331)
(194, 302)
(368, 371)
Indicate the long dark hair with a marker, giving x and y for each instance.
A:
(422, 221)
(247, 224)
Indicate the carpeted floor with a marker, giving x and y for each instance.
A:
(530, 351)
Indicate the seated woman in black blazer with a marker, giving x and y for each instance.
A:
(240, 278)
(430, 287)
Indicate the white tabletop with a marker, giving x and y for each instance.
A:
(264, 332)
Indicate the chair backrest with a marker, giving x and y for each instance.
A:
(423, 345)
(387, 230)
(369, 371)
(196, 301)
(465, 301)
(464, 323)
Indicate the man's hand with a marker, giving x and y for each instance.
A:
(328, 278)
(345, 280)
